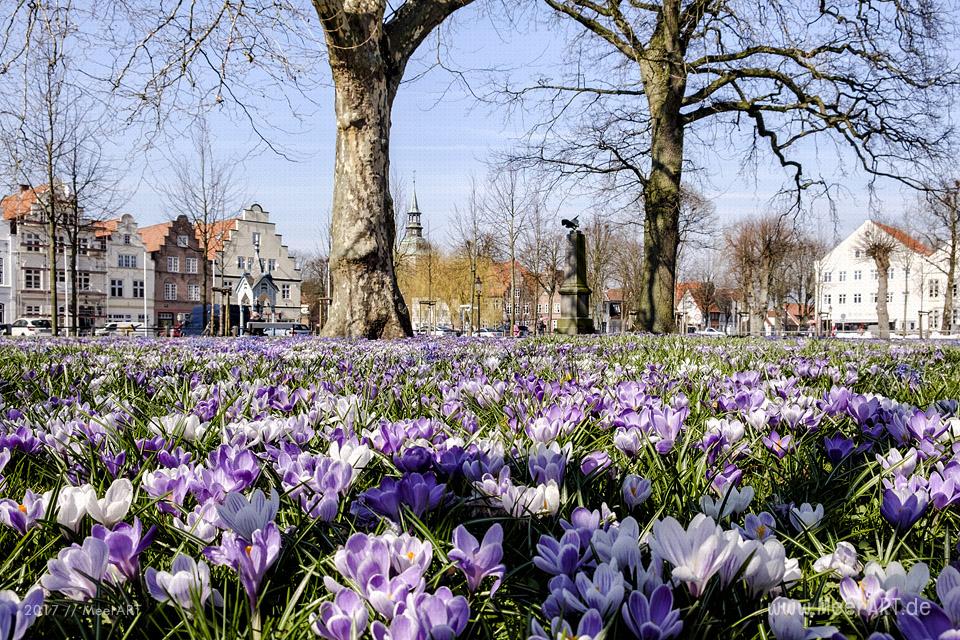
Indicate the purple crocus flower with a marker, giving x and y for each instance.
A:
(250, 558)
(902, 507)
(442, 615)
(21, 438)
(419, 492)
(373, 567)
(666, 424)
(652, 618)
(479, 560)
(760, 526)
(548, 462)
(17, 615)
(23, 516)
(945, 485)
(838, 447)
(77, 571)
(345, 618)
(125, 544)
(403, 626)
(603, 592)
(779, 445)
(867, 597)
(590, 626)
(244, 516)
(558, 557)
(169, 486)
(636, 490)
(414, 458)
(595, 461)
(921, 619)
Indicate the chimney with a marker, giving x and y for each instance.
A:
(24, 187)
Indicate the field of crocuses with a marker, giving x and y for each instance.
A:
(635, 487)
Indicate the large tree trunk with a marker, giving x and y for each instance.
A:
(664, 83)
(758, 305)
(883, 316)
(366, 298)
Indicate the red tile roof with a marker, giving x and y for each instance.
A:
(155, 235)
(17, 205)
(614, 295)
(219, 233)
(106, 227)
(905, 238)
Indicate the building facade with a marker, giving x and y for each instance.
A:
(250, 246)
(7, 279)
(175, 252)
(24, 211)
(131, 280)
(848, 283)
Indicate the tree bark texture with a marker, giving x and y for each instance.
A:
(664, 80)
(882, 262)
(366, 298)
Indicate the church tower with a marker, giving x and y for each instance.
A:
(413, 243)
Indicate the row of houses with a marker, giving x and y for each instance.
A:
(845, 297)
(152, 275)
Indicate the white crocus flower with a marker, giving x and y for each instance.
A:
(785, 618)
(352, 452)
(767, 567)
(907, 583)
(189, 426)
(843, 561)
(72, 505)
(114, 505)
(901, 464)
(734, 501)
(805, 516)
(520, 501)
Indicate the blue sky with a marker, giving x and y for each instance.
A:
(444, 135)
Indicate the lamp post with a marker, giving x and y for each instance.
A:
(478, 288)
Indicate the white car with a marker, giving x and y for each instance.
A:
(117, 329)
(31, 327)
(710, 331)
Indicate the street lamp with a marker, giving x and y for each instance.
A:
(478, 287)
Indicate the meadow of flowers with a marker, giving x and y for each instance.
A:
(634, 487)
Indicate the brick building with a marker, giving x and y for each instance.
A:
(176, 255)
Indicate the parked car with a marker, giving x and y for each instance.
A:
(711, 331)
(490, 332)
(277, 329)
(31, 327)
(117, 329)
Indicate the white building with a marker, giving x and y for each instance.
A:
(250, 245)
(848, 283)
(130, 272)
(7, 280)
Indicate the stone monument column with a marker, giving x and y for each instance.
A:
(574, 292)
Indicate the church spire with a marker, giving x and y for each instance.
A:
(414, 207)
(414, 226)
